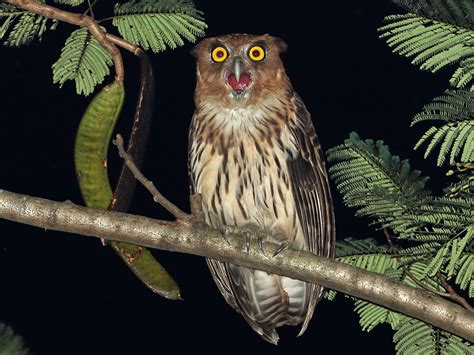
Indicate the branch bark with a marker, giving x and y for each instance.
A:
(199, 239)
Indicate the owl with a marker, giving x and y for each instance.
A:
(256, 161)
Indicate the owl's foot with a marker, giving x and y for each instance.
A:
(249, 231)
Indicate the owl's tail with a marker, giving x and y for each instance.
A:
(268, 301)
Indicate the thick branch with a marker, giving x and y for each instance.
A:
(204, 241)
(78, 20)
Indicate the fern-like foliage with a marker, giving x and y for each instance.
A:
(435, 34)
(456, 12)
(464, 186)
(456, 135)
(83, 60)
(159, 24)
(440, 229)
(23, 26)
(11, 343)
(416, 337)
(434, 235)
(367, 254)
(383, 187)
(371, 179)
(411, 336)
(465, 273)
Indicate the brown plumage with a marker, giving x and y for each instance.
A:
(255, 159)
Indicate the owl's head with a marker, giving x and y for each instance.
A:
(239, 69)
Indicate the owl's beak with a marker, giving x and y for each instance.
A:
(238, 78)
(238, 66)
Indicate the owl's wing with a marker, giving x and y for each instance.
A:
(218, 269)
(311, 192)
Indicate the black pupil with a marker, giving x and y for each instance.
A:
(220, 54)
(256, 53)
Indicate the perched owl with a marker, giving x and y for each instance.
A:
(255, 159)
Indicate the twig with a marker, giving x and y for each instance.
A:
(78, 20)
(157, 196)
(424, 286)
(453, 294)
(392, 246)
(208, 242)
(119, 41)
(89, 10)
(407, 272)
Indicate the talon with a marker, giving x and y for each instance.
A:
(260, 244)
(224, 232)
(247, 242)
(281, 248)
(224, 236)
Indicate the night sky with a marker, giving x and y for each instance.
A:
(67, 294)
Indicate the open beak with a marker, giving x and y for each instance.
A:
(238, 67)
(239, 78)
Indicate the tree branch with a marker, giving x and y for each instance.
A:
(79, 20)
(452, 292)
(202, 240)
(148, 184)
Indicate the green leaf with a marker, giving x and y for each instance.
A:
(363, 253)
(366, 254)
(159, 24)
(465, 273)
(418, 270)
(457, 249)
(83, 60)
(371, 314)
(435, 35)
(28, 27)
(10, 343)
(379, 184)
(416, 337)
(330, 295)
(383, 187)
(455, 108)
(456, 12)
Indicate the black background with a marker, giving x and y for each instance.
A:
(69, 295)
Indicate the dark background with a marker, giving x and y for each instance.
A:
(69, 295)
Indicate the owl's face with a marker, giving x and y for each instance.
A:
(238, 69)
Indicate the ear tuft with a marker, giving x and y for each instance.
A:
(281, 45)
(277, 42)
(197, 47)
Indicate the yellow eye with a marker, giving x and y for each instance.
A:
(219, 54)
(257, 53)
